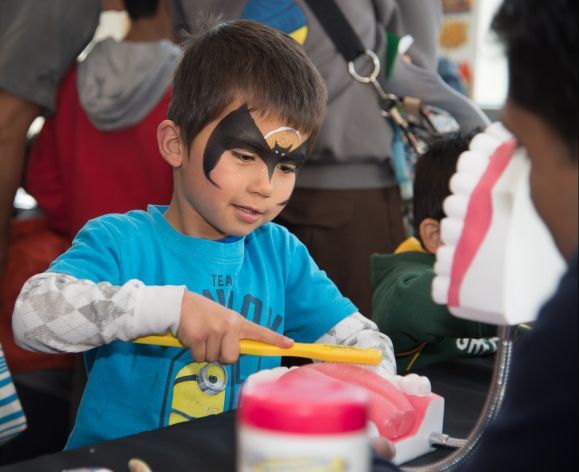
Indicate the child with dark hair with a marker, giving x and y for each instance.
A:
(210, 268)
(423, 332)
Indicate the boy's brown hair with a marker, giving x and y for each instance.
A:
(251, 61)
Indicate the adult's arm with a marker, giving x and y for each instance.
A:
(39, 42)
(422, 20)
(16, 115)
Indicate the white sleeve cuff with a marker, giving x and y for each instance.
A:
(159, 309)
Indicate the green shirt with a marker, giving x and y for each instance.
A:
(422, 332)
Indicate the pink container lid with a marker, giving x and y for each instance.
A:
(312, 406)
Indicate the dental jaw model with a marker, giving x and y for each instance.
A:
(401, 409)
(499, 263)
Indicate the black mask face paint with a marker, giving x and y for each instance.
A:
(238, 131)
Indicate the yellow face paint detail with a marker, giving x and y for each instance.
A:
(301, 35)
(286, 138)
(189, 401)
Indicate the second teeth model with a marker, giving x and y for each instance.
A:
(499, 263)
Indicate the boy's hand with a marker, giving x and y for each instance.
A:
(212, 332)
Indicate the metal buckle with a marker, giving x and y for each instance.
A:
(389, 100)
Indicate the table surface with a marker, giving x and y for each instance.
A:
(209, 444)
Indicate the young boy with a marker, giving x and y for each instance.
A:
(423, 332)
(211, 268)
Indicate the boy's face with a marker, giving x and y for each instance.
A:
(239, 174)
(554, 174)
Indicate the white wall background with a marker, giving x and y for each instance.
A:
(491, 77)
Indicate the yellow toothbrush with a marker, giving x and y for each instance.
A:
(319, 352)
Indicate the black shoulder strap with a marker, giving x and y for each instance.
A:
(338, 28)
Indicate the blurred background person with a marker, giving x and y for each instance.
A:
(101, 125)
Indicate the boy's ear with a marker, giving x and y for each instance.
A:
(170, 144)
(430, 235)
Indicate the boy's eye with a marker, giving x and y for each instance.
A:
(288, 168)
(242, 156)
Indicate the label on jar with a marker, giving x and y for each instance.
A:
(266, 451)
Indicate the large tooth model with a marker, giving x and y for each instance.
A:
(401, 409)
(499, 263)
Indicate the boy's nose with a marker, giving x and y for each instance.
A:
(262, 182)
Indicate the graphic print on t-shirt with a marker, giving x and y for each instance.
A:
(196, 390)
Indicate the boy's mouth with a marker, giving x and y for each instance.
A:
(249, 210)
(251, 213)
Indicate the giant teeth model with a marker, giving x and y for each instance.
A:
(499, 263)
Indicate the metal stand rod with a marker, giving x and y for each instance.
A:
(444, 440)
(490, 410)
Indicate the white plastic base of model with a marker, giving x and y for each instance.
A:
(419, 444)
(516, 267)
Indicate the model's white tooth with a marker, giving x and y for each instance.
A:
(440, 288)
(485, 144)
(451, 230)
(456, 206)
(425, 387)
(444, 260)
(471, 162)
(396, 381)
(270, 375)
(416, 385)
(463, 184)
(407, 383)
(499, 131)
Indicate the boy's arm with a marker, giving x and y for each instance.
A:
(358, 331)
(59, 313)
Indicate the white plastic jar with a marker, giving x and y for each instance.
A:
(311, 425)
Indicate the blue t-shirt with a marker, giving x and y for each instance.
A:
(268, 277)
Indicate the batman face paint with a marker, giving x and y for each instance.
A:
(239, 131)
(239, 174)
